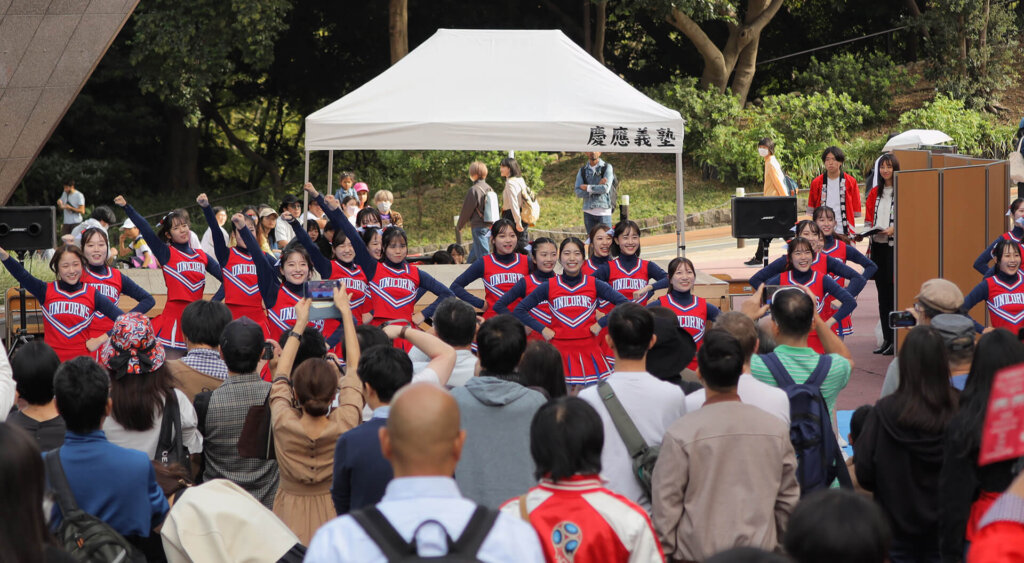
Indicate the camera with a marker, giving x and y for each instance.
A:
(902, 319)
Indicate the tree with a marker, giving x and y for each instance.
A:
(398, 28)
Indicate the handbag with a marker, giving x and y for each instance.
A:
(1017, 163)
(257, 437)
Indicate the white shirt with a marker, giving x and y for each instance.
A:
(465, 365)
(207, 242)
(426, 375)
(653, 405)
(883, 217)
(7, 385)
(409, 502)
(834, 193)
(146, 441)
(752, 392)
(193, 241)
(283, 231)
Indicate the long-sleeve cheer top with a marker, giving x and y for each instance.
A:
(475, 271)
(981, 264)
(539, 295)
(222, 253)
(831, 288)
(129, 288)
(518, 291)
(981, 293)
(38, 288)
(161, 248)
(832, 266)
(857, 257)
(685, 298)
(654, 271)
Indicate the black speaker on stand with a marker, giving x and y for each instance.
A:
(22, 231)
(763, 217)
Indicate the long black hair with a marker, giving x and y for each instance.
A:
(995, 350)
(566, 438)
(22, 482)
(294, 248)
(926, 399)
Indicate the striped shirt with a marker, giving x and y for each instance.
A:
(800, 362)
(229, 404)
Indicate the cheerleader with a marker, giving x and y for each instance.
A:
(242, 282)
(1003, 291)
(599, 248)
(837, 246)
(503, 268)
(371, 237)
(184, 271)
(573, 298)
(68, 303)
(109, 283)
(545, 256)
(1016, 235)
(627, 273)
(395, 285)
(800, 271)
(695, 315)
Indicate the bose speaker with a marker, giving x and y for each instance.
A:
(28, 228)
(763, 217)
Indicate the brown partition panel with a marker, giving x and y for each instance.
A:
(983, 161)
(938, 160)
(913, 160)
(963, 228)
(953, 160)
(917, 234)
(998, 193)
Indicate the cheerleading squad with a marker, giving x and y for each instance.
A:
(79, 308)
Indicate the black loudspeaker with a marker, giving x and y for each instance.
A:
(28, 228)
(763, 217)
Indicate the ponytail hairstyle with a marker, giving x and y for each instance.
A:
(538, 242)
(828, 212)
(1016, 205)
(621, 228)
(294, 248)
(797, 243)
(176, 217)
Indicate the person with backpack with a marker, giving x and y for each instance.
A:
(597, 186)
(900, 449)
(515, 200)
(422, 513)
(726, 473)
(479, 211)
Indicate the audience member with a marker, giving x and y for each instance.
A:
(383, 200)
(541, 368)
(1000, 534)
(594, 183)
(837, 526)
(283, 232)
(672, 352)
(361, 473)
(899, 451)
(653, 405)
(143, 394)
(751, 391)
(304, 437)
(574, 515)
(747, 555)
(34, 365)
(422, 504)
(857, 419)
(455, 324)
(442, 356)
(442, 257)
(22, 481)
(458, 253)
(496, 411)
(966, 491)
(726, 474)
(115, 484)
(241, 345)
(201, 368)
(206, 242)
(472, 214)
(102, 217)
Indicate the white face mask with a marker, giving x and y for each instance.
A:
(762, 151)
(352, 210)
(384, 206)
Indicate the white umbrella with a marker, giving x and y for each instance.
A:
(914, 138)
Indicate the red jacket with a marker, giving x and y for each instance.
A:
(814, 199)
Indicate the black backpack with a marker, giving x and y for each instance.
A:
(613, 191)
(84, 536)
(395, 548)
(819, 458)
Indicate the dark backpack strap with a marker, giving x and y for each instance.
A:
(59, 483)
(171, 440)
(778, 371)
(201, 402)
(817, 377)
(625, 426)
(391, 543)
(476, 531)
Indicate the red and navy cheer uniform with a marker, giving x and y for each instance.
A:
(843, 252)
(981, 264)
(627, 275)
(111, 284)
(394, 288)
(242, 282)
(573, 301)
(67, 310)
(1004, 295)
(822, 286)
(522, 288)
(500, 272)
(184, 275)
(594, 263)
(694, 313)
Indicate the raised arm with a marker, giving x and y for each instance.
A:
(775, 268)
(517, 291)
(159, 248)
(981, 263)
(321, 263)
(442, 356)
(536, 297)
(857, 281)
(135, 291)
(220, 246)
(33, 284)
(266, 275)
(338, 219)
(474, 272)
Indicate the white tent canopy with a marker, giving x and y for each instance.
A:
(553, 96)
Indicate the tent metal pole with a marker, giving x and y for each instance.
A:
(330, 170)
(305, 194)
(680, 214)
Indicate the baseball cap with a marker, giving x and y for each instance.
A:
(957, 330)
(127, 225)
(361, 187)
(267, 212)
(941, 295)
(242, 335)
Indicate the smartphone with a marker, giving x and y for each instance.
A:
(268, 351)
(769, 291)
(320, 290)
(902, 319)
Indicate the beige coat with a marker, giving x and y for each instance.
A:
(726, 477)
(774, 179)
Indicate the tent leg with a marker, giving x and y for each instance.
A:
(330, 170)
(305, 194)
(680, 214)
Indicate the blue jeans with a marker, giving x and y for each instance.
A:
(591, 221)
(481, 243)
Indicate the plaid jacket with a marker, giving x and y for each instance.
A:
(228, 406)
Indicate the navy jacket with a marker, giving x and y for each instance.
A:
(360, 471)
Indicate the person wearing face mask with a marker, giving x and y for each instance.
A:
(1016, 234)
(545, 256)
(774, 186)
(184, 270)
(383, 200)
(1002, 291)
(351, 207)
(695, 314)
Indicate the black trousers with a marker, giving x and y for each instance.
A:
(762, 248)
(882, 254)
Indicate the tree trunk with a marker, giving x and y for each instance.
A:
(251, 155)
(600, 21)
(398, 28)
(587, 43)
(746, 64)
(983, 38)
(962, 29)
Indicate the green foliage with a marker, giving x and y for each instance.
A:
(861, 153)
(871, 79)
(973, 132)
(702, 108)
